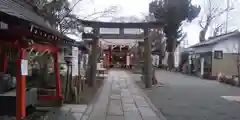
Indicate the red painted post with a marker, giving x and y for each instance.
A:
(21, 86)
(5, 63)
(1, 61)
(109, 55)
(57, 75)
(109, 61)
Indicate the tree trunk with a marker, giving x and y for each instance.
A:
(171, 60)
(203, 32)
(154, 80)
(162, 53)
(160, 60)
(202, 35)
(88, 69)
(171, 46)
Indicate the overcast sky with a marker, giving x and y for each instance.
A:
(140, 7)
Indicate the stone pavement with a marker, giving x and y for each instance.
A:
(118, 99)
(67, 112)
(121, 99)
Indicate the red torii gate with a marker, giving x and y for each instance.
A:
(23, 23)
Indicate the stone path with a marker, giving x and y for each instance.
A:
(118, 99)
(121, 99)
(66, 112)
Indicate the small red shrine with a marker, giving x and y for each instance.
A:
(19, 25)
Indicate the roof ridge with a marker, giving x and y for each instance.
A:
(23, 3)
(216, 39)
(30, 6)
(213, 37)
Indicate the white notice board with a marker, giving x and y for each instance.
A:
(128, 60)
(24, 67)
(74, 61)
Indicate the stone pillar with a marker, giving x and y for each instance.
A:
(128, 60)
(140, 52)
(94, 58)
(88, 74)
(147, 60)
(202, 66)
(109, 56)
(189, 64)
(105, 59)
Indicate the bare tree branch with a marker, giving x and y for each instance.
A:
(218, 29)
(107, 11)
(71, 9)
(222, 12)
(201, 22)
(213, 13)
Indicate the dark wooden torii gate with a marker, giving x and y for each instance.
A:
(96, 35)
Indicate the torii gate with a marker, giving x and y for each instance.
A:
(96, 35)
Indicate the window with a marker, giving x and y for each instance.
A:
(218, 54)
(3, 25)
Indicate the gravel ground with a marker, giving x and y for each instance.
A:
(190, 98)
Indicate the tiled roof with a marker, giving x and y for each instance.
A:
(22, 10)
(214, 40)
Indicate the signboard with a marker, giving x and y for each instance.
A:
(98, 66)
(24, 67)
(74, 61)
(83, 65)
(155, 60)
(190, 59)
(128, 60)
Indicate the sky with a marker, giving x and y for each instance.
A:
(139, 8)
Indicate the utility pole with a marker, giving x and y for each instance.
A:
(227, 14)
(238, 63)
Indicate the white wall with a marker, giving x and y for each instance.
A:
(109, 30)
(228, 46)
(117, 30)
(177, 56)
